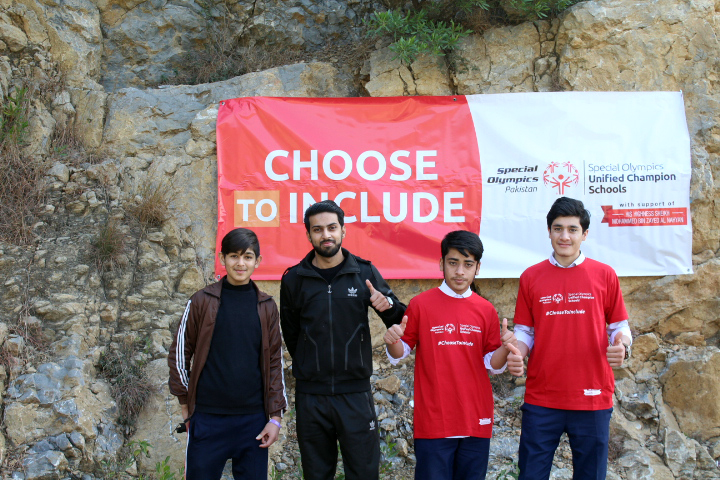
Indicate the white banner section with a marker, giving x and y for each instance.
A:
(625, 155)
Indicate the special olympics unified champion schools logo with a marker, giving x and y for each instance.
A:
(561, 176)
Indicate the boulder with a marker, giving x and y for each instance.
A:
(691, 389)
(500, 61)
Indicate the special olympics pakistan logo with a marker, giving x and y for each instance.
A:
(561, 176)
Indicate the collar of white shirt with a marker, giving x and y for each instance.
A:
(578, 261)
(451, 293)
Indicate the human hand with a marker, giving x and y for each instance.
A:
(395, 332)
(184, 412)
(616, 352)
(269, 435)
(377, 299)
(507, 336)
(515, 363)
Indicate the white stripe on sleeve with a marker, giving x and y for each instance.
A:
(180, 350)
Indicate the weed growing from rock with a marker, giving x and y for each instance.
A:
(14, 122)
(129, 383)
(151, 207)
(510, 472)
(387, 453)
(226, 55)
(26, 342)
(107, 248)
(20, 177)
(131, 453)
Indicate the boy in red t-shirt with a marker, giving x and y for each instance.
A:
(457, 336)
(567, 307)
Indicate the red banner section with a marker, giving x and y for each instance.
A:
(644, 217)
(401, 168)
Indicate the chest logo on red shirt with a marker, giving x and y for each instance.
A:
(467, 329)
(447, 328)
(574, 297)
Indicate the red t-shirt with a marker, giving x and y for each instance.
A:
(570, 309)
(453, 396)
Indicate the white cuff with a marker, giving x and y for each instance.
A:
(525, 334)
(487, 358)
(406, 352)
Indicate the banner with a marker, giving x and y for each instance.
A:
(407, 170)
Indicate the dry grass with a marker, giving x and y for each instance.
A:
(108, 246)
(151, 207)
(21, 194)
(130, 386)
(21, 190)
(225, 55)
(67, 148)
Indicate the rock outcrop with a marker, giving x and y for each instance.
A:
(90, 65)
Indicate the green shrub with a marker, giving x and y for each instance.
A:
(14, 122)
(415, 33)
(435, 27)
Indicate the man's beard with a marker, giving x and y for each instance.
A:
(327, 252)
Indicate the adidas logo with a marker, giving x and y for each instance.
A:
(352, 292)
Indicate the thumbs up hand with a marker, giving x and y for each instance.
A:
(378, 300)
(616, 352)
(507, 337)
(395, 333)
(515, 363)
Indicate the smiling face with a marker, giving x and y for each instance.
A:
(459, 271)
(240, 266)
(566, 235)
(326, 234)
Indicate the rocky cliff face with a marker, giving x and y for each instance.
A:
(91, 65)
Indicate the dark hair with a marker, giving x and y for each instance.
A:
(569, 207)
(240, 240)
(467, 243)
(326, 206)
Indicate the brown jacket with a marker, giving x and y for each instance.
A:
(191, 345)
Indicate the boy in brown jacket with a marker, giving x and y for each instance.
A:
(226, 369)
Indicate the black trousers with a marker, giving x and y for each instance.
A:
(324, 421)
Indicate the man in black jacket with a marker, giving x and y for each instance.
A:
(324, 303)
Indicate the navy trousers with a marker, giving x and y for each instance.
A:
(587, 430)
(451, 458)
(215, 439)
